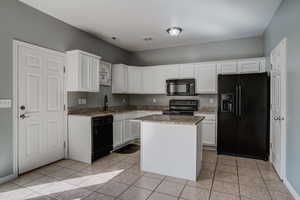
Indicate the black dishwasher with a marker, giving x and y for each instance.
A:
(102, 136)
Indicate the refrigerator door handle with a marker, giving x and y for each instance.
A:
(236, 109)
(240, 101)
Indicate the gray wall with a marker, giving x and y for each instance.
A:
(285, 23)
(18, 21)
(231, 49)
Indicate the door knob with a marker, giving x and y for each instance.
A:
(23, 116)
(22, 107)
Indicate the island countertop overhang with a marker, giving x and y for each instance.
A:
(172, 119)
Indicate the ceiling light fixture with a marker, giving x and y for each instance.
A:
(174, 31)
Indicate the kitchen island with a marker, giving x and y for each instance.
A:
(171, 145)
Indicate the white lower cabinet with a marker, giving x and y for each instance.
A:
(208, 129)
(209, 133)
(117, 133)
(125, 129)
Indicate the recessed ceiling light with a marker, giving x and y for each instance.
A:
(174, 31)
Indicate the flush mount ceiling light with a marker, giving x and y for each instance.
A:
(174, 31)
(147, 39)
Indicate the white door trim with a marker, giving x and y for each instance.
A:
(15, 109)
(283, 73)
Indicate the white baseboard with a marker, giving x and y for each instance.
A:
(7, 178)
(291, 189)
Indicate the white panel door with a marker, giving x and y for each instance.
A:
(206, 78)
(278, 108)
(40, 102)
(135, 82)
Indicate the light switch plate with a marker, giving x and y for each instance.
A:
(5, 103)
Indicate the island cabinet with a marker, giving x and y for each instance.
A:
(82, 71)
(171, 146)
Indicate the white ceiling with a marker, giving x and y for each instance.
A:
(132, 20)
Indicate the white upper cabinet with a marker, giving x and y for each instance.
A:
(206, 78)
(244, 66)
(82, 71)
(119, 79)
(135, 80)
(152, 79)
(187, 71)
(227, 67)
(170, 71)
(249, 66)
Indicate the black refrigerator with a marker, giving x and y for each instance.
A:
(243, 115)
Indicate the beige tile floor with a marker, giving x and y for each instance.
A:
(119, 177)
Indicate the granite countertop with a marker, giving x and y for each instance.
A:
(95, 112)
(98, 111)
(172, 119)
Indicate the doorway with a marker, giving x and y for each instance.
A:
(39, 99)
(278, 107)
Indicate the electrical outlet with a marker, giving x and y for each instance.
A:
(124, 100)
(211, 100)
(82, 101)
(154, 100)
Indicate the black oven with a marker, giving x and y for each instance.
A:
(181, 87)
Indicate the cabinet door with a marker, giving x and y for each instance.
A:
(94, 74)
(117, 133)
(119, 79)
(127, 134)
(149, 82)
(249, 66)
(135, 83)
(84, 74)
(206, 78)
(187, 71)
(227, 68)
(135, 129)
(209, 133)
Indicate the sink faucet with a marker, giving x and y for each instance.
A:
(105, 103)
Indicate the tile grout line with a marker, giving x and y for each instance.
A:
(213, 178)
(238, 176)
(152, 192)
(181, 192)
(263, 180)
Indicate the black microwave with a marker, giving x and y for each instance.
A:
(181, 87)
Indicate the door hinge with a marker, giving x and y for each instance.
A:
(64, 107)
(271, 145)
(64, 69)
(64, 144)
(271, 66)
